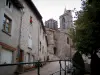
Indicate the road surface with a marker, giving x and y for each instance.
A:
(48, 69)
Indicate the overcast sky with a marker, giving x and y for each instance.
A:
(54, 8)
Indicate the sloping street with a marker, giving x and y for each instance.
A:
(48, 69)
(49, 37)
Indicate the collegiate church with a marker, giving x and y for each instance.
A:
(59, 42)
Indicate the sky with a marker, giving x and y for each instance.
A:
(54, 8)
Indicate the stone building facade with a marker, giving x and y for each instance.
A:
(21, 30)
(29, 39)
(64, 49)
(9, 33)
(59, 42)
(33, 43)
(51, 23)
(65, 44)
(66, 21)
(51, 44)
(43, 43)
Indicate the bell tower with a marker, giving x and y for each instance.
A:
(66, 20)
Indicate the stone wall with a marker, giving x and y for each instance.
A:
(51, 41)
(63, 48)
(43, 46)
(58, 39)
(29, 29)
(9, 42)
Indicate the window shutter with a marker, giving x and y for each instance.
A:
(30, 41)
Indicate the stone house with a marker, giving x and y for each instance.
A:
(20, 35)
(9, 33)
(43, 43)
(33, 43)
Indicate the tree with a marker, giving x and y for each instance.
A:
(88, 28)
(78, 63)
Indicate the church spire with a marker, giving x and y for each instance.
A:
(65, 10)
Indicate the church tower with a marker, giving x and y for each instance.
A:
(66, 20)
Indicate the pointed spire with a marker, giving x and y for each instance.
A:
(65, 10)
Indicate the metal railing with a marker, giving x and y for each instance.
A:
(39, 65)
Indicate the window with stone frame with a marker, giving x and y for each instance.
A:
(42, 49)
(55, 50)
(30, 41)
(31, 20)
(63, 23)
(40, 45)
(67, 40)
(8, 3)
(7, 23)
(32, 59)
(28, 57)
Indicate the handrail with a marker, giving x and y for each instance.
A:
(38, 68)
(29, 62)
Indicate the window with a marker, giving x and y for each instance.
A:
(63, 23)
(31, 21)
(42, 49)
(44, 58)
(63, 20)
(8, 3)
(55, 50)
(40, 46)
(6, 56)
(32, 60)
(47, 58)
(30, 41)
(7, 24)
(67, 40)
(27, 58)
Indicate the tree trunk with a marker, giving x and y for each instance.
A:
(95, 64)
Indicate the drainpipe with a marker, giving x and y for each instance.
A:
(38, 41)
(19, 39)
(38, 69)
(18, 55)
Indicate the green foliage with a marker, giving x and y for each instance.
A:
(88, 27)
(78, 63)
(71, 33)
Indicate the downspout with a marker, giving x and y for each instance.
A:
(38, 42)
(38, 68)
(18, 54)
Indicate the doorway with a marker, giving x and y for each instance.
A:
(21, 56)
